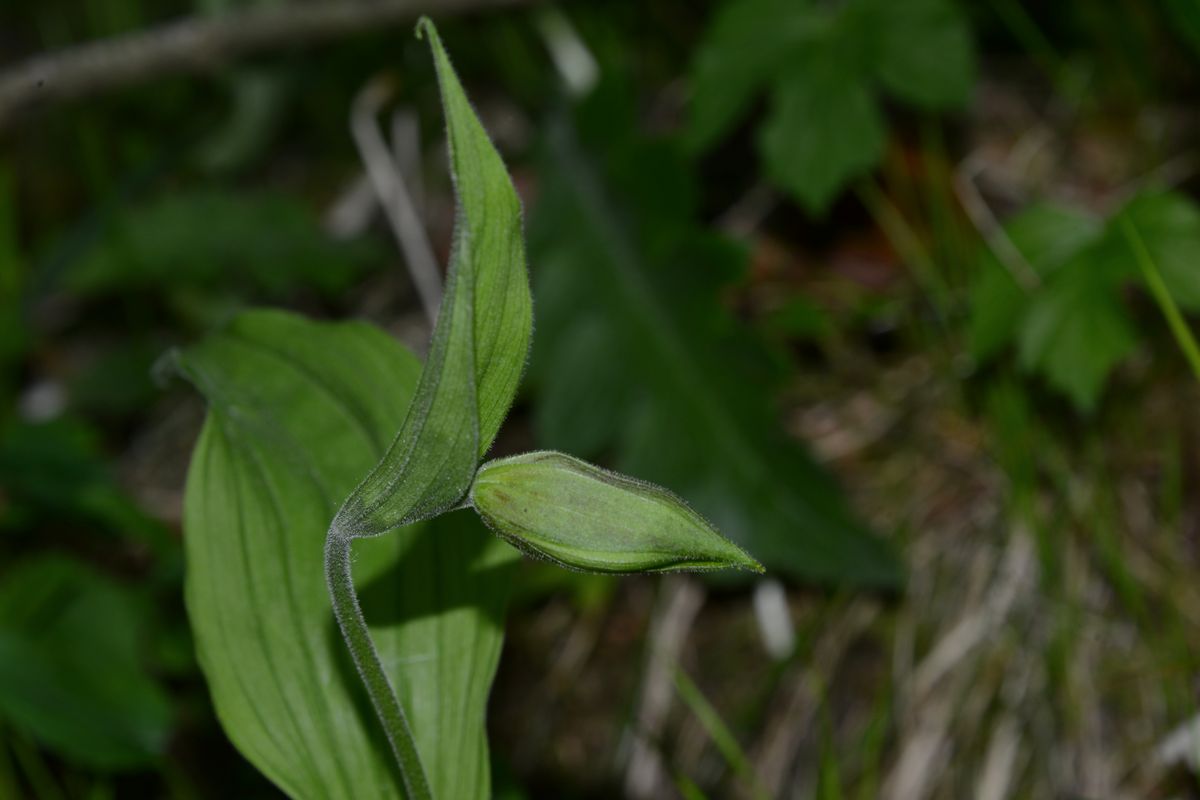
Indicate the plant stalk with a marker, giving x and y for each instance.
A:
(1179, 327)
(346, 608)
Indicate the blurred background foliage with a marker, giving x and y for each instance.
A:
(896, 293)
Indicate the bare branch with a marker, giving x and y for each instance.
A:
(202, 44)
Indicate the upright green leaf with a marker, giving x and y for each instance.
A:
(299, 411)
(71, 667)
(479, 344)
(677, 393)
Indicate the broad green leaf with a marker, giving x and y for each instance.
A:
(921, 51)
(1046, 236)
(71, 670)
(824, 130)
(479, 344)
(628, 297)
(577, 515)
(742, 51)
(1076, 331)
(299, 411)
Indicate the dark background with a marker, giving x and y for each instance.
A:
(1028, 453)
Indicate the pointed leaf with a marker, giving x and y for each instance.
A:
(583, 517)
(479, 344)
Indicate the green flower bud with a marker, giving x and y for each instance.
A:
(583, 517)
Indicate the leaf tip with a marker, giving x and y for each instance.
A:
(426, 27)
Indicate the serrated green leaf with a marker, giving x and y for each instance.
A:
(1076, 331)
(742, 51)
(823, 64)
(824, 130)
(921, 51)
(1071, 328)
(1046, 236)
(479, 344)
(582, 517)
(71, 671)
(299, 411)
(695, 411)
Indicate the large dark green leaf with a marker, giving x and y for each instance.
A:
(71, 671)
(299, 412)
(673, 389)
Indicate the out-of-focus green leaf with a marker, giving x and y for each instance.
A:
(580, 516)
(1076, 331)
(211, 238)
(71, 671)
(299, 411)
(1071, 327)
(55, 471)
(825, 64)
(479, 345)
(921, 51)
(627, 296)
(823, 130)
(1046, 236)
(742, 49)
(1169, 223)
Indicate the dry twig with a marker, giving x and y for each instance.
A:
(202, 44)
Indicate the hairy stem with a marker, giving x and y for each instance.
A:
(358, 639)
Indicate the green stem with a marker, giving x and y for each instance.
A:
(340, 577)
(718, 731)
(1179, 327)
